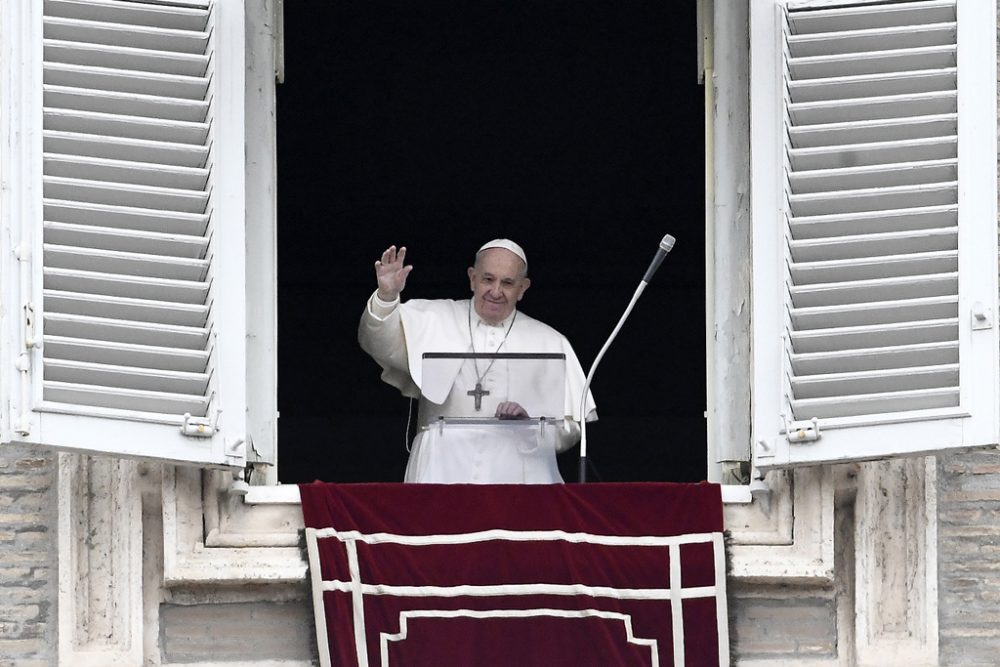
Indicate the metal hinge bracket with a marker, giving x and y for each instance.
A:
(29, 326)
(200, 427)
(802, 431)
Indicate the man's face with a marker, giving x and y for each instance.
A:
(498, 283)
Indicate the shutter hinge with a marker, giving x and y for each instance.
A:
(29, 326)
(200, 427)
(22, 422)
(802, 431)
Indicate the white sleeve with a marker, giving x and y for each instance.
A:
(381, 334)
(569, 435)
(380, 309)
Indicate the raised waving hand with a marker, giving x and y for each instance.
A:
(391, 273)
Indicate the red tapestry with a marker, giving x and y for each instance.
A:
(562, 574)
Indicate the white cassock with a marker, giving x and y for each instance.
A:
(398, 334)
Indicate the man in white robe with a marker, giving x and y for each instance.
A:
(398, 334)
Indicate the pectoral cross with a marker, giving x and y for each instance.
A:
(478, 392)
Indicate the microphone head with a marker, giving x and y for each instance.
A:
(667, 244)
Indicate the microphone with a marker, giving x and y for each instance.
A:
(666, 245)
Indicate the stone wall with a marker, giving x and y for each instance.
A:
(769, 623)
(969, 558)
(259, 630)
(28, 567)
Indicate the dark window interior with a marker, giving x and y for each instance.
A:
(573, 128)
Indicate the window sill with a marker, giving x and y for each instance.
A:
(770, 541)
(281, 494)
(288, 494)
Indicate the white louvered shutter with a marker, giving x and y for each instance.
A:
(875, 231)
(133, 282)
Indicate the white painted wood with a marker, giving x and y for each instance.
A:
(20, 216)
(228, 187)
(729, 293)
(261, 239)
(132, 227)
(871, 233)
(705, 16)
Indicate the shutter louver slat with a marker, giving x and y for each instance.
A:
(867, 40)
(901, 60)
(869, 200)
(124, 331)
(120, 171)
(126, 217)
(889, 106)
(125, 263)
(138, 287)
(859, 155)
(876, 358)
(872, 85)
(129, 104)
(875, 267)
(859, 132)
(130, 13)
(142, 356)
(878, 335)
(873, 312)
(127, 240)
(877, 404)
(875, 222)
(879, 289)
(868, 245)
(133, 400)
(121, 148)
(128, 127)
(142, 60)
(879, 176)
(128, 377)
(124, 194)
(872, 239)
(124, 308)
(120, 34)
(884, 15)
(125, 81)
(127, 322)
(876, 381)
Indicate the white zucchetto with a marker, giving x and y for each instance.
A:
(506, 244)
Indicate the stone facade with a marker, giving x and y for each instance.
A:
(820, 622)
(28, 581)
(824, 621)
(969, 557)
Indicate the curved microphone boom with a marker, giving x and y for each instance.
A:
(666, 245)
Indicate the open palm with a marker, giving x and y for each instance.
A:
(391, 273)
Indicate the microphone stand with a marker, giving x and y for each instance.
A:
(590, 377)
(666, 245)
